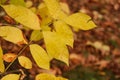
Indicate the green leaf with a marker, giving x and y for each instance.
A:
(2, 67)
(12, 34)
(11, 77)
(36, 35)
(40, 56)
(55, 46)
(81, 21)
(64, 32)
(17, 2)
(25, 62)
(23, 16)
(45, 76)
(55, 9)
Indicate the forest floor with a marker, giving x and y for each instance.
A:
(96, 53)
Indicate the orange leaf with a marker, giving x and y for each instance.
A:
(9, 57)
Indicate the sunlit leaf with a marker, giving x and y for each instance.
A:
(65, 7)
(45, 76)
(43, 11)
(46, 28)
(25, 62)
(23, 16)
(11, 77)
(40, 56)
(36, 35)
(97, 45)
(81, 21)
(28, 4)
(44, 14)
(17, 2)
(56, 48)
(55, 9)
(60, 78)
(2, 67)
(64, 32)
(9, 57)
(105, 48)
(12, 34)
(33, 9)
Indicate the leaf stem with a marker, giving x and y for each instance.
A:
(17, 56)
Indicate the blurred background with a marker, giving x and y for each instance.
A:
(96, 52)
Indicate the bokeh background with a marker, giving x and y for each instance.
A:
(96, 52)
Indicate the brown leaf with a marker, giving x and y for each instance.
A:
(102, 64)
(116, 52)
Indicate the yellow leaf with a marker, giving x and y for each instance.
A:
(25, 62)
(12, 34)
(45, 76)
(23, 16)
(55, 9)
(2, 67)
(60, 78)
(65, 7)
(64, 32)
(55, 46)
(46, 28)
(11, 77)
(40, 56)
(28, 4)
(43, 11)
(36, 35)
(17, 2)
(44, 14)
(81, 21)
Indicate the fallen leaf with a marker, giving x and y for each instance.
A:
(102, 64)
(98, 45)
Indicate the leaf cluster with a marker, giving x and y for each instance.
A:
(50, 22)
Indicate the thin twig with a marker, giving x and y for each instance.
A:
(18, 55)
